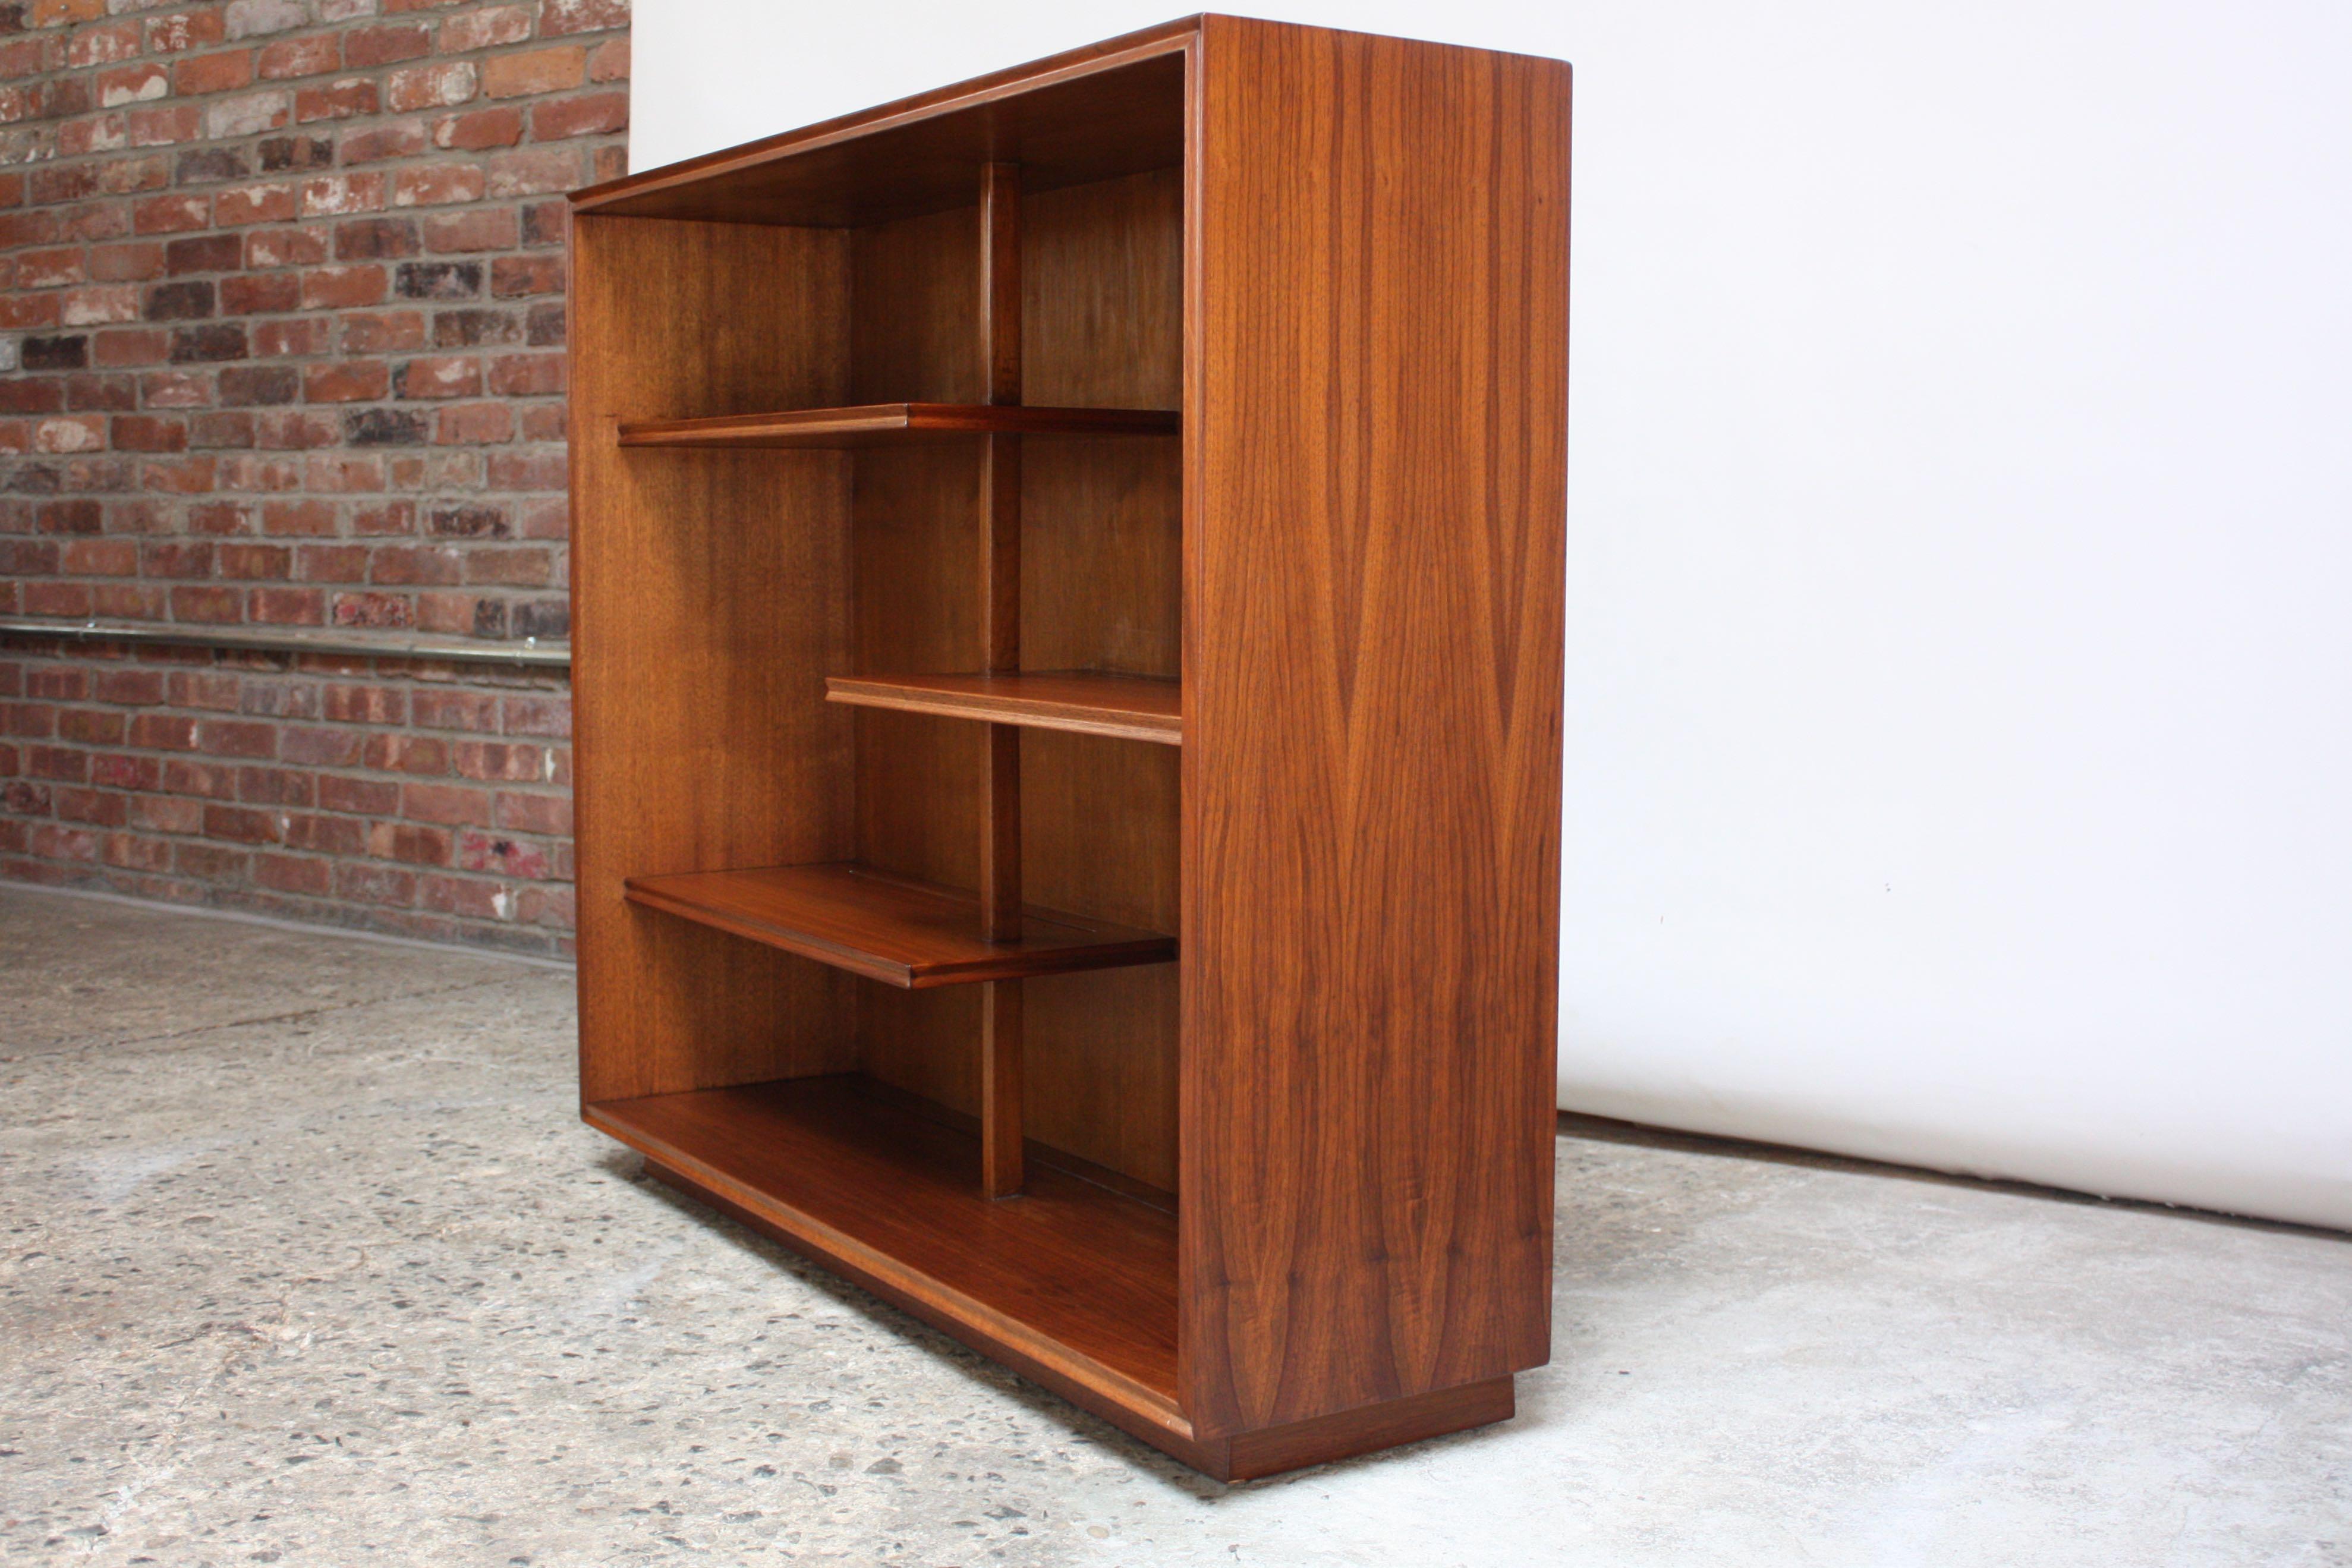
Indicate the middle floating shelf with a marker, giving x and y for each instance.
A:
(876, 424)
(1129, 707)
(900, 932)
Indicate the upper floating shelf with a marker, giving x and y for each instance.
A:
(1129, 707)
(877, 423)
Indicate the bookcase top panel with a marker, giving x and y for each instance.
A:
(1112, 109)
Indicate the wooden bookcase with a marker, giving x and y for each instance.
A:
(1067, 583)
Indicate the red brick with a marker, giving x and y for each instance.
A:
(478, 130)
(163, 733)
(464, 896)
(535, 171)
(208, 860)
(103, 558)
(473, 422)
(527, 375)
(268, 293)
(227, 738)
(534, 71)
(161, 125)
(49, 268)
(400, 139)
(560, 17)
(255, 204)
(338, 195)
(437, 184)
(313, 55)
(515, 276)
(440, 376)
(609, 61)
(549, 814)
(288, 340)
(254, 561)
(332, 564)
(446, 82)
(384, 610)
(481, 229)
(387, 45)
(126, 85)
(343, 473)
(402, 754)
(274, 786)
(212, 780)
(337, 100)
(240, 826)
(328, 835)
(342, 288)
(131, 686)
(288, 606)
(294, 874)
(190, 29)
(103, 45)
(196, 602)
(129, 263)
(312, 517)
(284, 248)
(412, 566)
(346, 381)
(213, 73)
(592, 114)
(455, 804)
(118, 770)
(167, 215)
(312, 747)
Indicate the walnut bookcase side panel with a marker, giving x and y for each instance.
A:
(1375, 420)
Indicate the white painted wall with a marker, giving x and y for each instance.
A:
(1959, 743)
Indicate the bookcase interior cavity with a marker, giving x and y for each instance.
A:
(898, 504)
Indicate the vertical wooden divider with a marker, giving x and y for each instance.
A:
(1000, 630)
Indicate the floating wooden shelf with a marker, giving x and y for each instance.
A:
(902, 933)
(1073, 1277)
(876, 423)
(1130, 706)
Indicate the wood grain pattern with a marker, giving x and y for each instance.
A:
(1000, 1074)
(1346, 258)
(882, 424)
(1001, 1140)
(1076, 1275)
(892, 929)
(725, 575)
(1375, 480)
(1133, 708)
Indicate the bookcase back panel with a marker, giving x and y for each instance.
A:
(1101, 569)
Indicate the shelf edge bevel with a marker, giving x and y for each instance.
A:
(911, 694)
(867, 423)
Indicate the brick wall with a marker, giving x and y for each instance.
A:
(281, 343)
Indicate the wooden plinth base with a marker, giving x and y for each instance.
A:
(1241, 1455)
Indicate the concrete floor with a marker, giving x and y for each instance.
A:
(308, 1260)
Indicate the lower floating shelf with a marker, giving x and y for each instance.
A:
(1071, 1282)
(892, 929)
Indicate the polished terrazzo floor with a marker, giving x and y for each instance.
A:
(304, 1259)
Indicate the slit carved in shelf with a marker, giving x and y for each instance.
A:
(1127, 707)
(878, 424)
(914, 935)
